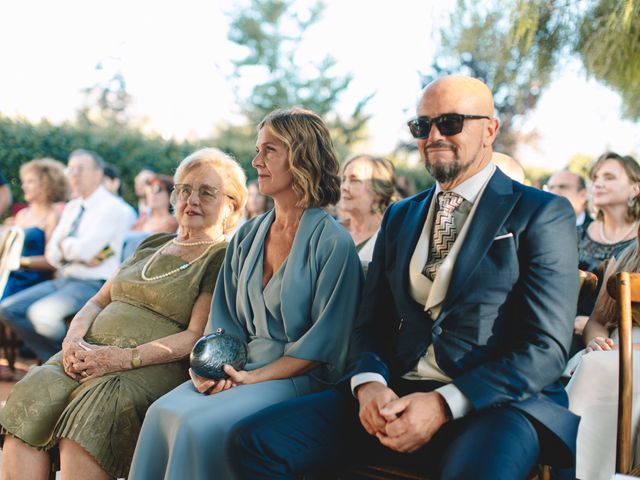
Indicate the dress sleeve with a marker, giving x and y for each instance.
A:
(208, 282)
(334, 303)
(223, 313)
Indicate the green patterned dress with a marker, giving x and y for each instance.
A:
(105, 415)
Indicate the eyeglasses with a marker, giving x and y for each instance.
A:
(448, 124)
(206, 194)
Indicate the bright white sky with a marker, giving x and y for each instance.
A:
(174, 57)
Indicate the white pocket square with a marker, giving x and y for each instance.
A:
(506, 235)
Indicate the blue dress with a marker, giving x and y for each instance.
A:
(306, 311)
(34, 243)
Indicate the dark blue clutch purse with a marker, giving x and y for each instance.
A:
(214, 351)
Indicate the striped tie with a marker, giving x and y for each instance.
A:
(73, 229)
(444, 232)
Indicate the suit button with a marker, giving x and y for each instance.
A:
(437, 330)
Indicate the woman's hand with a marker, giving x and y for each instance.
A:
(241, 377)
(98, 361)
(69, 348)
(599, 343)
(208, 386)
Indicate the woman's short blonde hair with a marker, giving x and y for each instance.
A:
(233, 178)
(632, 169)
(312, 158)
(382, 182)
(53, 181)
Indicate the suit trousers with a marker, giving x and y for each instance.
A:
(323, 432)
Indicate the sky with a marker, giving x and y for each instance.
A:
(175, 58)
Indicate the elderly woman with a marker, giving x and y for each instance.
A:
(615, 193)
(289, 287)
(367, 188)
(125, 347)
(44, 185)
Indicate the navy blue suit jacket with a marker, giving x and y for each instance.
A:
(505, 327)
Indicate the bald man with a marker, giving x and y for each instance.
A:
(463, 332)
(572, 187)
(509, 166)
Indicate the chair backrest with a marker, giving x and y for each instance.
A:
(625, 288)
(11, 242)
(588, 281)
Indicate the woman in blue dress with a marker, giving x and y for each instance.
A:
(44, 185)
(289, 287)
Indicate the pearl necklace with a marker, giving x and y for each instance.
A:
(195, 244)
(626, 234)
(184, 266)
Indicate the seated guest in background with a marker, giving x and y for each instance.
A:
(84, 248)
(593, 389)
(509, 166)
(140, 182)
(463, 329)
(405, 186)
(289, 287)
(111, 181)
(125, 347)
(44, 184)
(159, 219)
(615, 194)
(366, 190)
(572, 187)
(5, 195)
(257, 204)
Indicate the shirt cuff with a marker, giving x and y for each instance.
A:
(458, 403)
(366, 377)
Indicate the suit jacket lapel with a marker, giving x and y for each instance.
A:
(496, 204)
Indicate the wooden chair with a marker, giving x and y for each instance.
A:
(11, 242)
(624, 287)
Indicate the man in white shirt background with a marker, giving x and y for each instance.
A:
(84, 248)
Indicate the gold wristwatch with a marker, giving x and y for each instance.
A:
(136, 361)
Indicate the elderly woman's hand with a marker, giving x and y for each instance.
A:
(99, 361)
(208, 386)
(599, 343)
(69, 348)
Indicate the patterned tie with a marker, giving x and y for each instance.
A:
(73, 230)
(444, 232)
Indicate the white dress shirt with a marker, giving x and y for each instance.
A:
(103, 224)
(421, 288)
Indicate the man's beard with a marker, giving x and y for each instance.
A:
(444, 172)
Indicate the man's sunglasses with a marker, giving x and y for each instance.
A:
(448, 124)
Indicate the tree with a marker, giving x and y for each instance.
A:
(106, 102)
(603, 34)
(270, 32)
(580, 164)
(480, 40)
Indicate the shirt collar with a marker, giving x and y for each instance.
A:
(471, 187)
(95, 198)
